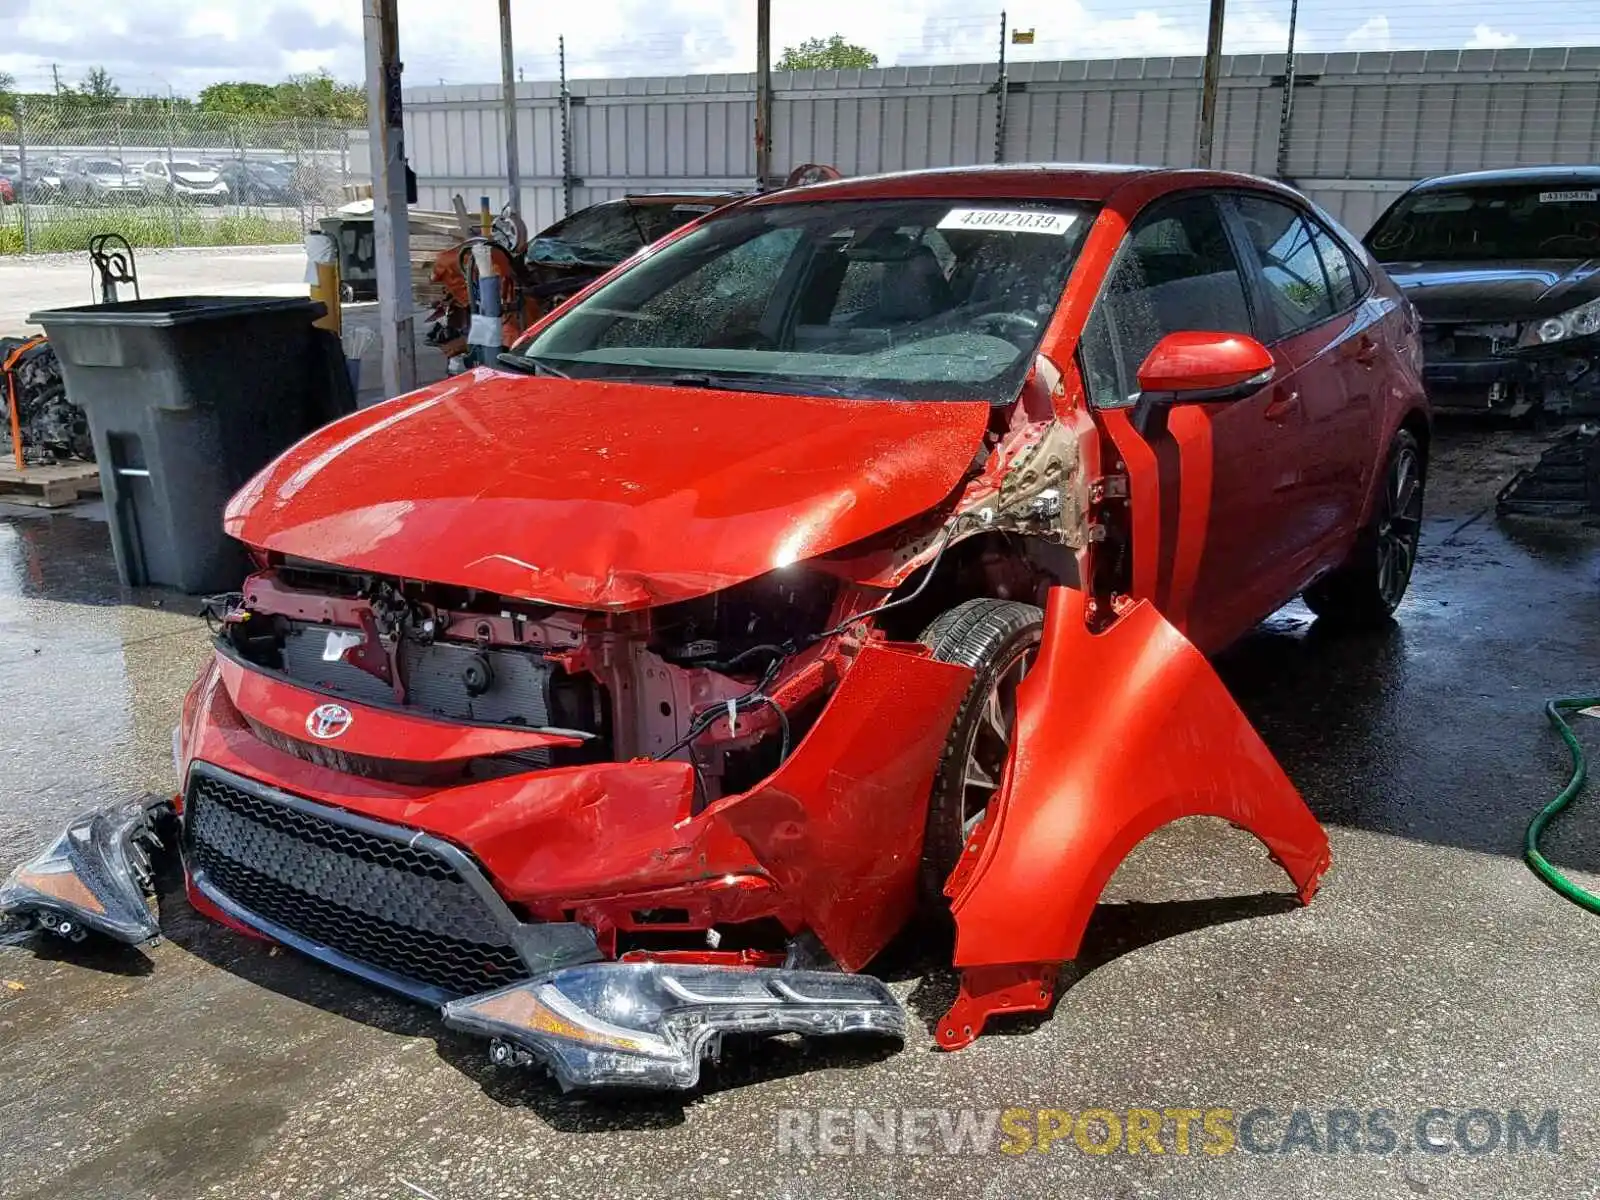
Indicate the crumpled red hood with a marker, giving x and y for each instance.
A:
(600, 494)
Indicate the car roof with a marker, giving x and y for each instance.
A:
(688, 196)
(1553, 174)
(1092, 182)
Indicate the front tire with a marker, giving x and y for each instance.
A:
(1366, 589)
(999, 640)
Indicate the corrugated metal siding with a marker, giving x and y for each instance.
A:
(1365, 126)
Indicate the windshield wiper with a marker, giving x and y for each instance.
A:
(529, 365)
(736, 383)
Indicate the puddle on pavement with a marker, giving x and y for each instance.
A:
(93, 673)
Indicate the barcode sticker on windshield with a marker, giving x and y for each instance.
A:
(1579, 197)
(1007, 220)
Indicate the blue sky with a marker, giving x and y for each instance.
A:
(149, 45)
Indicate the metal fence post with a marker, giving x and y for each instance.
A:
(299, 174)
(566, 132)
(172, 173)
(1001, 89)
(1287, 114)
(1209, 83)
(22, 173)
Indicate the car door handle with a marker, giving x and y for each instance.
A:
(1366, 350)
(1285, 403)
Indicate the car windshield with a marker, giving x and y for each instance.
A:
(103, 167)
(193, 168)
(902, 299)
(1481, 224)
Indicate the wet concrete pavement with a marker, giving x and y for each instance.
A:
(1432, 970)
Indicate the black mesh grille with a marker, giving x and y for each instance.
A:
(382, 901)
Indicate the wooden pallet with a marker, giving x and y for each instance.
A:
(49, 487)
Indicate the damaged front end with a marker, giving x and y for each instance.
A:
(608, 835)
(95, 877)
(1507, 368)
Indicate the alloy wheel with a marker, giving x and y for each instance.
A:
(989, 743)
(1400, 526)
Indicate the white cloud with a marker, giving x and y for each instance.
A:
(1484, 37)
(1371, 34)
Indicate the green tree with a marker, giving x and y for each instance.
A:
(321, 95)
(240, 99)
(316, 96)
(98, 86)
(832, 54)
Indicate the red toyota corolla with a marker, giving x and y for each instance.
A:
(853, 551)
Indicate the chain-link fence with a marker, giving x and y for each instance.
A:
(163, 173)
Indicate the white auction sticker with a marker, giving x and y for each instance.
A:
(1007, 220)
(1579, 197)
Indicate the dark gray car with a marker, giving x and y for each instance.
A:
(1504, 269)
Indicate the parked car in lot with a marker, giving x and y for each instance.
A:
(102, 180)
(8, 191)
(255, 183)
(184, 180)
(45, 183)
(853, 549)
(1504, 267)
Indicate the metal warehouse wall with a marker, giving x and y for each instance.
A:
(1363, 128)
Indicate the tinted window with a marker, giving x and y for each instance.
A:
(1525, 221)
(1296, 284)
(1177, 272)
(611, 231)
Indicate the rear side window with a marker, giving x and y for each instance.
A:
(1177, 272)
(1296, 283)
(1345, 279)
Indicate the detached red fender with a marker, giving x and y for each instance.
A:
(1117, 734)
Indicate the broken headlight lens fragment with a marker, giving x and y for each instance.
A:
(95, 876)
(649, 1025)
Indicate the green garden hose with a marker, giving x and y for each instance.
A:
(1580, 770)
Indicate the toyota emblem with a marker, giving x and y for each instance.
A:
(328, 721)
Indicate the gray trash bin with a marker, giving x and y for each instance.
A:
(187, 397)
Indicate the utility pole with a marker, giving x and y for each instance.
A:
(1208, 87)
(763, 92)
(55, 78)
(386, 131)
(508, 100)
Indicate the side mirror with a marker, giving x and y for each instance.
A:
(1195, 367)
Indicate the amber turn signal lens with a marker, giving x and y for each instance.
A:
(63, 886)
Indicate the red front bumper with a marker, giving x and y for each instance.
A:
(830, 842)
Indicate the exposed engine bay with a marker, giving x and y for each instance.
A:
(699, 674)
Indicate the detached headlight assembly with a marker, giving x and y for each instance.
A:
(1582, 321)
(648, 1025)
(95, 876)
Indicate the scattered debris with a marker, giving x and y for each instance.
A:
(50, 426)
(1565, 482)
